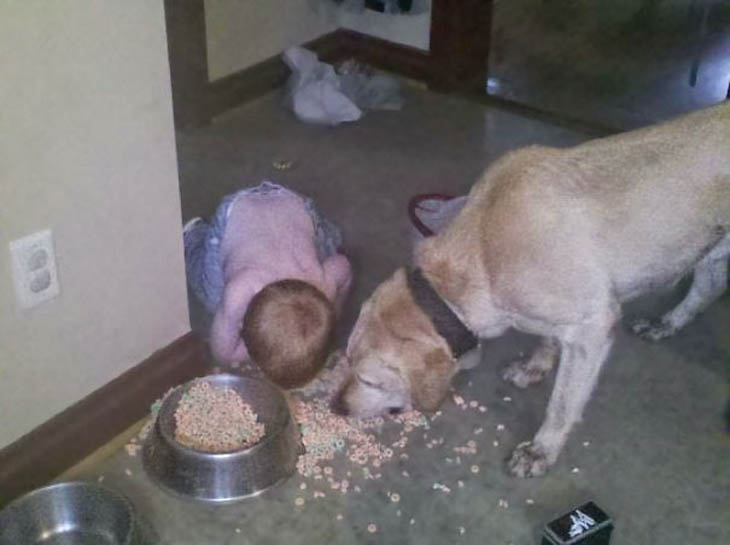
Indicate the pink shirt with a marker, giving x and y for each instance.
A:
(268, 237)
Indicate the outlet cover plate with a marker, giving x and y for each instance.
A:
(34, 269)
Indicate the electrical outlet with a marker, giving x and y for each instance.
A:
(34, 269)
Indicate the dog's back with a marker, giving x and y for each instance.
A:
(641, 207)
(663, 197)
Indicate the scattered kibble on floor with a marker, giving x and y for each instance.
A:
(328, 438)
(132, 448)
(325, 435)
(442, 487)
(282, 164)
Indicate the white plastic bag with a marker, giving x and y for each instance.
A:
(314, 92)
(369, 90)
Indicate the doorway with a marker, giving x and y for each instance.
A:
(616, 63)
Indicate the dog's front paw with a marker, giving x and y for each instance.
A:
(521, 374)
(528, 460)
(651, 330)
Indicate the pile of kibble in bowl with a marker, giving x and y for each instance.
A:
(216, 420)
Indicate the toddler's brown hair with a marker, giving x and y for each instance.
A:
(288, 328)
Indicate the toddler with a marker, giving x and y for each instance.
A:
(268, 266)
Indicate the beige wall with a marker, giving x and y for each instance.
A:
(242, 33)
(87, 149)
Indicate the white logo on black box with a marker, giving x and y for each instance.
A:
(580, 522)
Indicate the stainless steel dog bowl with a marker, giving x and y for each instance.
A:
(71, 513)
(230, 476)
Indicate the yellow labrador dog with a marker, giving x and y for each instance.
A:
(551, 242)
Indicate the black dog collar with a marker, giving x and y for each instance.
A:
(447, 324)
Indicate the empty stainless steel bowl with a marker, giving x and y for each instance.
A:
(71, 513)
(230, 476)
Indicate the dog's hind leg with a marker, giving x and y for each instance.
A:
(708, 284)
(583, 350)
(522, 372)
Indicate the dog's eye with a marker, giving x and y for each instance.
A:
(366, 382)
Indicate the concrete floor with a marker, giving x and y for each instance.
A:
(657, 451)
(620, 63)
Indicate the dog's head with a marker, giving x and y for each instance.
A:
(398, 360)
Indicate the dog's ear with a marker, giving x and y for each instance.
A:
(360, 326)
(430, 383)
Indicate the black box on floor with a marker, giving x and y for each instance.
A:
(584, 525)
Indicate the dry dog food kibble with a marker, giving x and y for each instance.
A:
(215, 420)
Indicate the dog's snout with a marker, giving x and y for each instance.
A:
(395, 410)
(338, 405)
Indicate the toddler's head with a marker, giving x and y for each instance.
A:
(287, 329)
